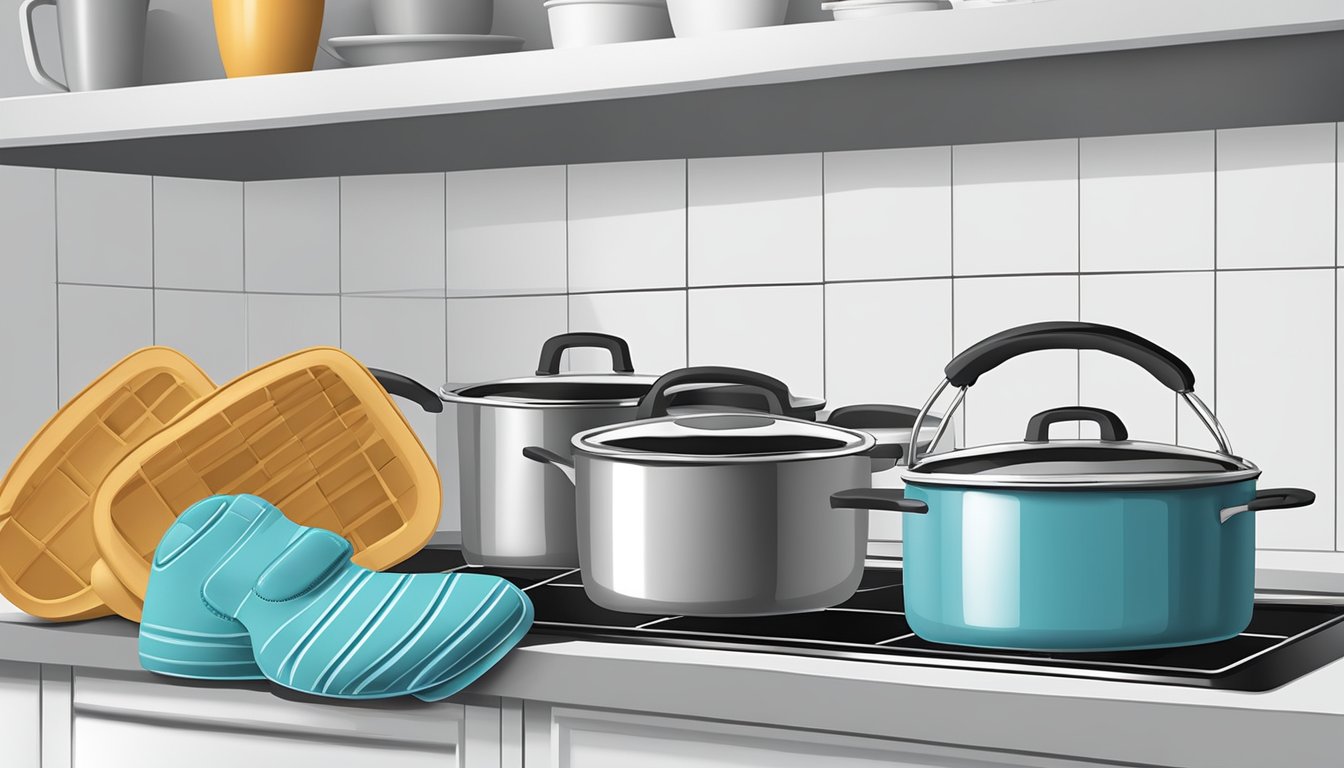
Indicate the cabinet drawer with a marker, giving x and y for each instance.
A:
(129, 702)
(574, 738)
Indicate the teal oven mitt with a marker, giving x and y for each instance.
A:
(233, 570)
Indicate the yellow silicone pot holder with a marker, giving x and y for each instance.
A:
(312, 433)
(47, 547)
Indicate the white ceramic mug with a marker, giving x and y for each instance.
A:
(102, 43)
(433, 17)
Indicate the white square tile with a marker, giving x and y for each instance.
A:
(1001, 403)
(754, 220)
(859, 372)
(98, 327)
(105, 228)
(392, 235)
(198, 234)
(294, 235)
(1015, 207)
(406, 336)
(488, 339)
(1276, 392)
(775, 330)
(627, 225)
(506, 231)
(279, 324)
(27, 305)
(888, 213)
(1276, 196)
(1147, 202)
(401, 335)
(210, 328)
(1174, 311)
(500, 338)
(653, 323)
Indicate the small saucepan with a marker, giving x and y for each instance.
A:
(718, 513)
(1078, 545)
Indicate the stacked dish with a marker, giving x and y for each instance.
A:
(423, 30)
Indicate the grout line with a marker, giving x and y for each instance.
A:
(824, 360)
(446, 330)
(686, 249)
(153, 266)
(1335, 490)
(1078, 354)
(247, 305)
(1215, 274)
(340, 261)
(56, 258)
(568, 281)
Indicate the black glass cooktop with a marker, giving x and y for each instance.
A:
(1282, 643)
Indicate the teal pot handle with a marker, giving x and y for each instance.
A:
(887, 499)
(983, 357)
(1271, 498)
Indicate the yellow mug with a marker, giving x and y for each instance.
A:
(266, 37)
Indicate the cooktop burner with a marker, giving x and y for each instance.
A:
(1282, 643)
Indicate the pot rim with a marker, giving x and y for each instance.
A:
(452, 393)
(858, 444)
(1243, 469)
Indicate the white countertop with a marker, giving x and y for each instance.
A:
(1297, 724)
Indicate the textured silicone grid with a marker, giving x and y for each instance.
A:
(47, 545)
(312, 433)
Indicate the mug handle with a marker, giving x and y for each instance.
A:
(30, 44)
(323, 44)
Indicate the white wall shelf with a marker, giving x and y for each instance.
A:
(1047, 70)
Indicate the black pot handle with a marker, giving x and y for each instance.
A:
(656, 401)
(889, 499)
(984, 356)
(1271, 498)
(1112, 429)
(875, 416)
(404, 386)
(549, 364)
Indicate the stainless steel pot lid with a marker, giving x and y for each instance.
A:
(556, 391)
(1114, 461)
(721, 438)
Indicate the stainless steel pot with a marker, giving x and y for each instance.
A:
(514, 512)
(717, 514)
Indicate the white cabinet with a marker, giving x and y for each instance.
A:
(558, 737)
(137, 721)
(20, 715)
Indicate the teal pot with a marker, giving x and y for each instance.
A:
(1078, 545)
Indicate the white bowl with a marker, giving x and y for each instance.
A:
(433, 17)
(866, 9)
(579, 23)
(691, 18)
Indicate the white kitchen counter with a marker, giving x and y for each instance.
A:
(1299, 724)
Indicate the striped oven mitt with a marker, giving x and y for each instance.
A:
(237, 591)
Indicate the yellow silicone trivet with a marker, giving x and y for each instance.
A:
(47, 548)
(312, 433)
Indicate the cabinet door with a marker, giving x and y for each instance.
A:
(135, 721)
(20, 714)
(573, 738)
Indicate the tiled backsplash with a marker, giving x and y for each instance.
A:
(856, 275)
